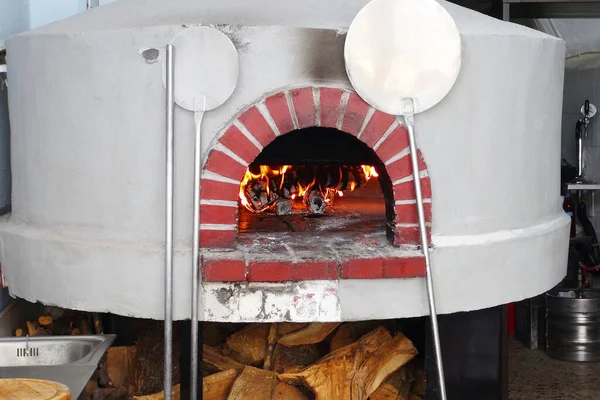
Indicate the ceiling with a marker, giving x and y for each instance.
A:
(581, 35)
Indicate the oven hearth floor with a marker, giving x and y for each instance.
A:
(347, 242)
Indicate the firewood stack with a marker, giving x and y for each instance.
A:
(323, 361)
(285, 361)
(65, 323)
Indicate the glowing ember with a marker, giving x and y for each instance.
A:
(263, 186)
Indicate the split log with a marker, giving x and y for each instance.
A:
(33, 329)
(213, 361)
(175, 395)
(112, 393)
(248, 346)
(253, 383)
(89, 390)
(218, 386)
(350, 332)
(98, 328)
(287, 392)
(288, 358)
(214, 334)
(104, 380)
(83, 324)
(271, 342)
(314, 332)
(75, 332)
(120, 362)
(397, 386)
(44, 320)
(149, 360)
(419, 384)
(61, 326)
(355, 371)
(289, 327)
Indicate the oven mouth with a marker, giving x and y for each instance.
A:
(339, 216)
(313, 182)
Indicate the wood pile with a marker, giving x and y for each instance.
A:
(323, 361)
(66, 323)
(285, 361)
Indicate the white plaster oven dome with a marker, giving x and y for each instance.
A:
(87, 120)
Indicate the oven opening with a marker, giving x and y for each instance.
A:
(316, 182)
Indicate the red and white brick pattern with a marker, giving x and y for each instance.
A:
(276, 115)
(291, 263)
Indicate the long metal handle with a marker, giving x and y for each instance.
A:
(196, 255)
(425, 245)
(168, 367)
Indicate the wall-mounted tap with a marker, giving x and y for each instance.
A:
(92, 3)
(588, 111)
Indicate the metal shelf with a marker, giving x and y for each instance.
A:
(583, 186)
(513, 9)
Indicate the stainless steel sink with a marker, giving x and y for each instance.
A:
(70, 360)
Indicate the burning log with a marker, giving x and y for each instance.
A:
(260, 189)
(283, 207)
(315, 202)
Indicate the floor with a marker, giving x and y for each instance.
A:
(534, 376)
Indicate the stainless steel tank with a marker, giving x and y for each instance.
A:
(573, 326)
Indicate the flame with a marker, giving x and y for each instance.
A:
(369, 171)
(273, 182)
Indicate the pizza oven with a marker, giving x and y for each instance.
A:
(307, 201)
(307, 204)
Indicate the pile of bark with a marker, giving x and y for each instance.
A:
(324, 361)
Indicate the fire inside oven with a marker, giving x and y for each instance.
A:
(318, 179)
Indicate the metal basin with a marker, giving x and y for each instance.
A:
(70, 360)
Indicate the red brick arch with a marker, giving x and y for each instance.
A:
(292, 109)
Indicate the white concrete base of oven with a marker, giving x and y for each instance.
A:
(80, 272)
